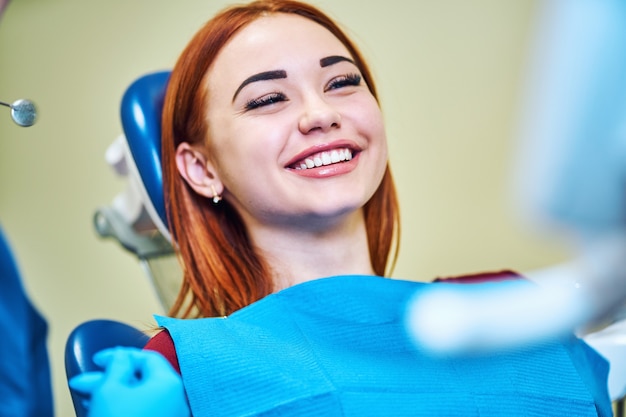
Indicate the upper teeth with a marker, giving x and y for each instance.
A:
(325, 158)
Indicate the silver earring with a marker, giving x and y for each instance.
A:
(216, 197)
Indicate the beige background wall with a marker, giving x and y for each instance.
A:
(448, 72)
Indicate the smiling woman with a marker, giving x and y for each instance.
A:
(280, 91)
(283, 211)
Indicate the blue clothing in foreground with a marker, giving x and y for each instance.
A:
(338, 347)
(25, 388)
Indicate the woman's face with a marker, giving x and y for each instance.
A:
(294, 135)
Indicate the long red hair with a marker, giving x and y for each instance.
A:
(222, 272)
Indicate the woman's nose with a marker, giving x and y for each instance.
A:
(318, 115)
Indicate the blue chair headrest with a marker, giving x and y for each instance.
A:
(141, 109)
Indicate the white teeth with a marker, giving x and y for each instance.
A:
(326, 158)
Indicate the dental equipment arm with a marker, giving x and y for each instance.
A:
(570, 181)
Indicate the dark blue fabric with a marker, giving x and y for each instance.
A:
(25, 388)
(338, 347)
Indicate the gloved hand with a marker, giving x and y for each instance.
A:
(135, 383)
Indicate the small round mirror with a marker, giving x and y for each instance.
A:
(23, 112)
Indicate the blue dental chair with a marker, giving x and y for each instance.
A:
(136, 217)
(89, 338)
(136, 220)
(141, 120)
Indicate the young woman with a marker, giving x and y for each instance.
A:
(260, 92)
(283, 210)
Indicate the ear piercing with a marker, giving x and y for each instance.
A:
(216, 197)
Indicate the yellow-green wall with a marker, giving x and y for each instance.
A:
(448, 72)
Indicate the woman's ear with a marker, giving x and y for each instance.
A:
(196, 171)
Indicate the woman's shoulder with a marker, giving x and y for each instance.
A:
(163, 343)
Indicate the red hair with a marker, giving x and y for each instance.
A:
(222, 272)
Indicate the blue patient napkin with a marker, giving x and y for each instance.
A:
(338, 347)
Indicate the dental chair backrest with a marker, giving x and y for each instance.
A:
(141, 109)
(136, 217)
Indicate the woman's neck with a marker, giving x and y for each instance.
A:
(297, 255)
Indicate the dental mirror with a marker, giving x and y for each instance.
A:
(23, 112)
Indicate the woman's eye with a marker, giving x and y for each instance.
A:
(265, 100)
(344, 81)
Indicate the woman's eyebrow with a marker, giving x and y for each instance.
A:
(333, 59)
(262, 76)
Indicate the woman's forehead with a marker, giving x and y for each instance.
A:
(275, 40)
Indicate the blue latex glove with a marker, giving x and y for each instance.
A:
(135, 383)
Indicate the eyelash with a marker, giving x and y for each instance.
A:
(344, 81)
(265, 100)
(339, 82)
